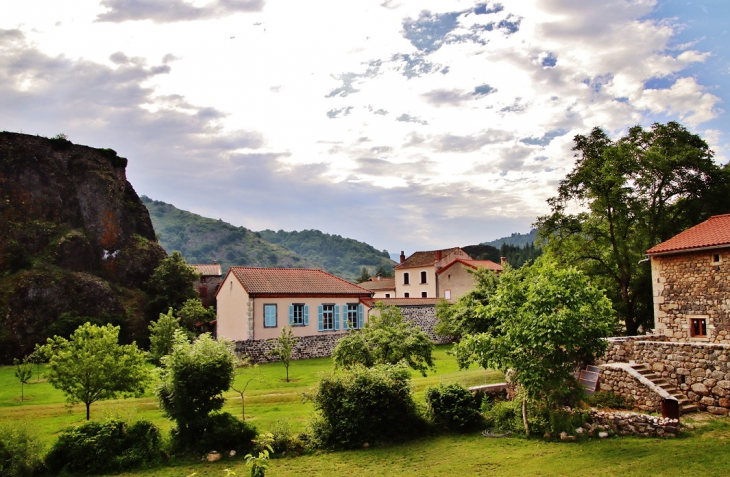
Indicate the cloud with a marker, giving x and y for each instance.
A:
(429, 31)
(471, 143)
(407, 118)
(685, 98)
(168, 11)
(415, 65)
(340, 112)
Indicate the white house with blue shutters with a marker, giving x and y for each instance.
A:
(255, 303)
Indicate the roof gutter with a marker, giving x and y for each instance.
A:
(686, 250)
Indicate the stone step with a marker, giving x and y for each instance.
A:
(688, 408)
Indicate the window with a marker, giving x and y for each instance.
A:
(424, 294)
(716, 258)
(203, 292)
(353, 318)
(269, 316)
(424, 276)
(406, 279)
(406, 295)
(202, 280)
(298, 314)
(447, 294)
(328, 317)
(387, 295)
(698, 327)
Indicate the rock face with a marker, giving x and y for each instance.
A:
(75, 239)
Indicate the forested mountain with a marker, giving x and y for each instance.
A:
(341, 256)
(517, 255)
(204, 240)
(515, 239)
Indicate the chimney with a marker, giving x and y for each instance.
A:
(503, 261)
(438, 255)
(402, 256)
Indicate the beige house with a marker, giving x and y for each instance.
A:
(381, 287)
(255, 303)
(454, 279)
(690, 275)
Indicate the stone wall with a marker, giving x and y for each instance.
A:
(624, 381)
(425, 317)
(621, 348)
(317, 346)
(692, 285)
(633, 424)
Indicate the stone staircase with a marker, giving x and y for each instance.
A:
(685, 405)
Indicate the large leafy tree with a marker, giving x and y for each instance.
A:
(92, 366)
(625, 196)
(171, 284)
(385, 339)
(466, 316)
(548, 319)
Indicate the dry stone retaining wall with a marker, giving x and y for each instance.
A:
(621, 349)
(633, 424)
(621, 381)
(425, 317)
(317, 346)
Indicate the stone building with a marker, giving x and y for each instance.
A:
(690, 283)
(210, 280)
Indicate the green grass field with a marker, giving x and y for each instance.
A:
(698, 452)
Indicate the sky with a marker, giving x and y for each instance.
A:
(409, 125)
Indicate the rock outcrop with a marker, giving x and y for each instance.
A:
(75, 240)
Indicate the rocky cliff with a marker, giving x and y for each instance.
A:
(76, 242)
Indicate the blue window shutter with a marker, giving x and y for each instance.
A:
(337, 317)
(291, 315)
(345, 315)
(360, 316)
(319, 318)
(306, 315)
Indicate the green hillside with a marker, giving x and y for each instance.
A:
(341, 256)
(203, 240)
(515, 239)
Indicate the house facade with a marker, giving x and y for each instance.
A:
(690, 284)
(454, 279)
(210, 280)
(254, 304)
(381, 287)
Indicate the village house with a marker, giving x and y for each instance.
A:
(381, 287)
(454, 280)
(210, 279)
(256, 303)
(690, 283)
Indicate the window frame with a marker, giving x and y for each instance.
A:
(424, 294)
(352, 314)
(406, 295)
(331, 311)
(301, 320)
(424, 277)
(698, 322)
(406, 278)
(276, 315)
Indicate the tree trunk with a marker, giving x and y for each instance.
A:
(243, 408)
(524, 416)
(88, 405)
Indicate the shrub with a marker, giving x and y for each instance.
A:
(107, 446)
(504, 416)
(282, 438)
(19, 452)
(364, 405)
(507, 416)
(608, 399)
(453, 406)
(222, 432)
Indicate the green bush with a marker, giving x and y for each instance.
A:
(222, 432)
(608, 399)
(282, 438)
(19, 452)
(362, 405)
(507, 416)
(107, 446)
(504, 416)
(453, 406)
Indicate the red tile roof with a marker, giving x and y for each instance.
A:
(382, 284)
(421, 259)
(208, 269)
(713, 232)
(400, 301)
(293, 281)
(488, 264)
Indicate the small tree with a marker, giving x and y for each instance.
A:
(252, 373)
(364, 275)
(192, 313)
(23, 371)
(386, 339)
(162, 335)
(92, 366)
(468, 315)
(284, 347)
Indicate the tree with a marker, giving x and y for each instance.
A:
(386, 339)
(193, 379)
(548, 320)
(92, 366)
(384, 272)
(284, 346)
(162, 335)
(23, 371)
(192, 313)
(630, 195)
(171, 284)
(467, 316)
(245, 366)
(364, 276)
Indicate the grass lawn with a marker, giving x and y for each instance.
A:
(699, 452)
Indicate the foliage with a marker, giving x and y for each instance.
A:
(507, 416)
(193, 379)
(108, 446)
(162, 335)
(260, 463)
(222, 431)
(631, 194)
(282, 438)
(518, 256)
(453, 406)
(610, 400)
(549, 319)
(23, 371)
(92, 366)
(467, 315)
(385, 339)
(284, 347)
(171, 284)
(20, 452)
(361, 405)
(515, 238)
(192, 313)
(364, 275)
(482, 252)
(384, 271)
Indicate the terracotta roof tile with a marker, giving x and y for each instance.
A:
(713, 232)
(294, 281)
(383, 284)
(400, 301)
(207, 269)
(488, 264)
(420, 259)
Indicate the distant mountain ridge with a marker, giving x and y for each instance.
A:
(204, 240)
(517, 239)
